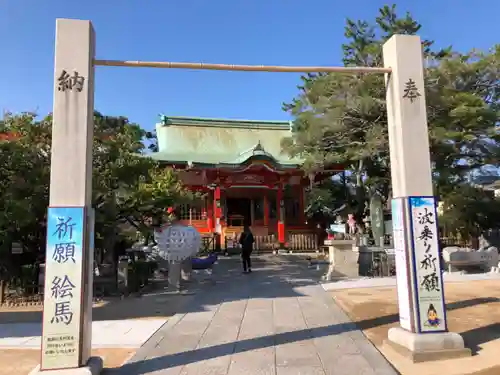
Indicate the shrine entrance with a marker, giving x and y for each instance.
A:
(251, 206)
(71, 189)
(239, 211)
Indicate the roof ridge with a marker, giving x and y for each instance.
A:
(229, 120)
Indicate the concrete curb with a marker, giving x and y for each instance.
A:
(391, 281)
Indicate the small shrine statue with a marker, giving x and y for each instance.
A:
(351, 223)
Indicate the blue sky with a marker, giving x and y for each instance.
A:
(281, 32)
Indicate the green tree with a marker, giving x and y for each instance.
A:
(462, 99)
(329, 198)
(341, 118)
(130, 189)
(152, 141)
(468, 211)
(24, 172)
(128, 186)
(145, 206)
(24, 176)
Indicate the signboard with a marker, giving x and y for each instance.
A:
(245, 179)
(338, 228)
(431, 311)
(401, 256)
(63, 288)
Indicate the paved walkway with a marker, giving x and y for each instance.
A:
(277, 320)
(370, 282)
(128, 333)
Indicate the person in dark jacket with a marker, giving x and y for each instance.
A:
(246, 241)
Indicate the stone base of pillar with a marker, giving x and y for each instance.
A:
(93, 367)
(426, 347)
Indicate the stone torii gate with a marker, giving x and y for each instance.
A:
(67, 314)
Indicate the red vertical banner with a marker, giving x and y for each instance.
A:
(281, 233)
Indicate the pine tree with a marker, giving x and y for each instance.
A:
(341, 118)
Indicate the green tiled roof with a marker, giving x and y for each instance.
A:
(220, 122)
(221, 141)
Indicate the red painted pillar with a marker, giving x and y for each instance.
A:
(218, 214)
(281, 217)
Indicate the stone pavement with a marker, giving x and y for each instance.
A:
(277, 320)
(129, 333)
(370, 282)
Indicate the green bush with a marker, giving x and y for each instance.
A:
(28, 275)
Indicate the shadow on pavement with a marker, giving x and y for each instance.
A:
(201, 354)
(293, 276)
(474, 337)
(227, 279)
(229, 284)
(477, 336)
(394, 318)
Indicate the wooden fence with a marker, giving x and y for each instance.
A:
(269, 243)
(302, 242)
(265, 244)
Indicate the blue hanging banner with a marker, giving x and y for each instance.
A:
(63, 287)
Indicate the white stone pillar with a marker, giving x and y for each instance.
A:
(67, 314)
(423, 332)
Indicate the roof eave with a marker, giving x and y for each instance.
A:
(218, 122)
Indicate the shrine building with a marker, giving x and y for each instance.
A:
(245, 176)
